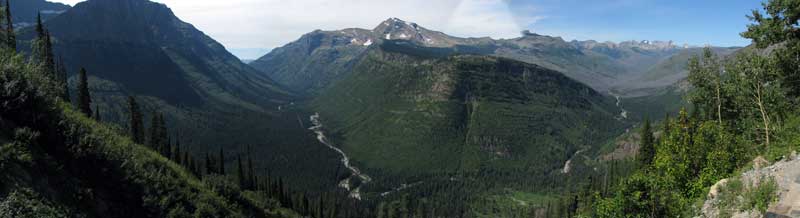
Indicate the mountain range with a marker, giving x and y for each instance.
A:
(320, 57)
(467, 123)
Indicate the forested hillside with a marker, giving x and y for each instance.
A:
(208, 98)
(118, 108)
(743, 116)
(57, 162)
(431, 118)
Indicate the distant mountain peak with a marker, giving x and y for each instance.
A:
(395, 28)
(643, 44)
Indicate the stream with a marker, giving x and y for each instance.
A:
(355, 192)
(624, 114)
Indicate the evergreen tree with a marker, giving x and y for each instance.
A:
(381, 210)
(97, 113)
(135, 121)
(168, 147)
(187, 161)
(63, 80)
(42, 49)
(48, 59)
(240, 172)
(647, 150)
(251, 180)
(163, 136)
(221, 170)
(11, 38)
(209, 164)
(84, 98)
(39, 26)
(178, 159)
(155, 135)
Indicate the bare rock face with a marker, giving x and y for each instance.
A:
(786, 175)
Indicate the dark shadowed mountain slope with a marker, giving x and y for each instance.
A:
(144, 47)
(210, 99)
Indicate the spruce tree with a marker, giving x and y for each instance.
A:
(178, 154)
(63, 80)
(647, 150)
(251, 180)
(43, 49)
(84, 98)
(48, 61)
(135, 121)
(240, 173)
(209, 164)
(97, 114)
(221, 170)
(11, 38)
(186, 160)
(168, 147)
(153, 130)
(39, 26)
(163, 137)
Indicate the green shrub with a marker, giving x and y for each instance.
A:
(24, 203)
(761, 196)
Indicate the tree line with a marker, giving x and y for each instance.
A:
(743, 107)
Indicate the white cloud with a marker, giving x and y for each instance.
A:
(476, 18)
(243, 24)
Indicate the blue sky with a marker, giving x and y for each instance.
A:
(697, 22)
(250, 28)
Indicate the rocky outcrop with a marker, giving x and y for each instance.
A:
(786, 177)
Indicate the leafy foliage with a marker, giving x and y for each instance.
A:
(738, 106)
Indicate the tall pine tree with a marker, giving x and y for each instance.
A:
(240, 173)
(97, 113)
(63, 80)
(251, 180)
(84, 98)
(135, 121)
(43, 49)
(156, 142)
(647, 149)
(221, 160)
(11, 38)
(210, 165)
(164, 136)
